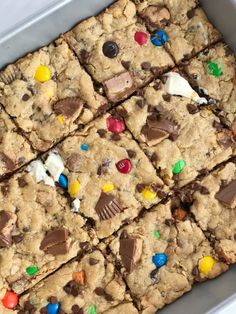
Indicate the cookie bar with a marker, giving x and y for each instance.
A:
(49, 94)
(213, 74)
(215, 210)
(106, 174)
(180, 137)
(38, 231)
(15, 151)
(91, 286)
(161, 255)
(118, 51)
(187, 27)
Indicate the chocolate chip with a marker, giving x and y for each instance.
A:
(5, 189)
(204, 190)
(140, 187)
(153, 274)
(53, 300)
(102, 169)
(108, 297)
(163, 78)
(157, 85)
(99, 291)
(140, 103)
(25, 97)
(131, 153)
(122, 112)
(29, 307)
(167, 97)
(110, 49)
(126, 64)
(85, 56)
(17, 238)
(140, 92)
(93, 261)
(75, 291)
(155, 71)
(192, 109)
(102, 133)
(115, 137)
(84, 246)
(146, 66)
(191, 13)
(43, 310)
(21, 182)
(76, 309)
(195, 271)
(169, 222)
(161, 194)
(154, 158)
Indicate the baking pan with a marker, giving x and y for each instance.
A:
(217, 296)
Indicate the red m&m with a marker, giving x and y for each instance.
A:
(141, 38)
(10, 300)
(115, 125)
(124, 166)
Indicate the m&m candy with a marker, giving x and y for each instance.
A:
(159, 259)
(159, 38)
(148, 193)
(178, 167)
(53, 308)
(42, 74)
(10, 300)
(214, 69)
(32, 270)
(206, 264)
(115, 125)
(141, 38)
(124, 166)
(74, 188)
(63, 181)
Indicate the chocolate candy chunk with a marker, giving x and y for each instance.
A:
(146, 66)
(110, 49)
(8, 162)
(73, 162)
(156, 16)
(21, 182)
(119, 86)
(55, 242)
(10, 74)
(130, 252)
(126, 64)
(93, 261)
(227, 194)
(68, 107)
(102, 133)
(7, 223)
(108, 206)
(158, 128)
(131, 153)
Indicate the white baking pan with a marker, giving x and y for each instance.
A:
(53, 17)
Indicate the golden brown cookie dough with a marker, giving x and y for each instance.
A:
(215, 211)
(161, 256)
(108, 174)
(48, 103)
(38, 232)
(15, 150)
(91, 285)
(213, 74)
(116, 49)
(176, 129)
(188, 28)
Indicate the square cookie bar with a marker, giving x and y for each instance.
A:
(213, 74)
(179, 136)
(161, 255)
(186, 29)
(107, 175)
(38, 231)
(15, 150)
(215, 210)
(49, 94)
(118, 51)
(89, 286)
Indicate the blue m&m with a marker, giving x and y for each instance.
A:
(159, 38)
(84, 147)
(159, 259)
(53, 308)
(63, 181)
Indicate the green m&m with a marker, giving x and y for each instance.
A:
(156, 234)
(178, 166)
(214, 69)
(32, 270)
(92, 310)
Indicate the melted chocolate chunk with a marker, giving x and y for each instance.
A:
(7, 223)
(68, 107)
(227, 195)
(9, 163)
(130, 252)
(158, 127)
(55, 242)
(108, 206)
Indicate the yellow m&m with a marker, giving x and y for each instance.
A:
(60, 119)
(108, 187)
(42, 74)
(148, 194)
(74, 188)
(206, 264)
